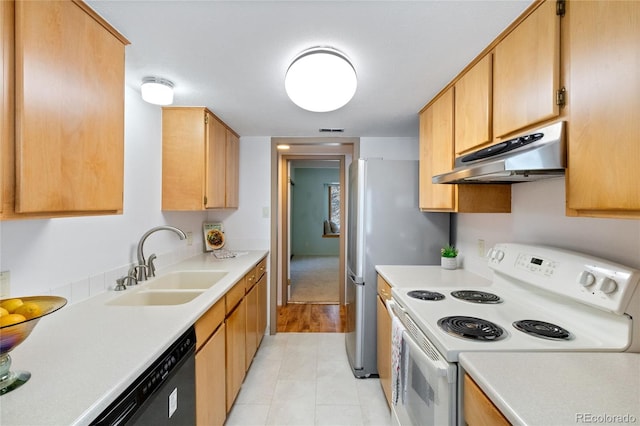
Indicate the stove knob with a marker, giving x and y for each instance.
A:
(500, 255)
(586, 278)
(608, 286)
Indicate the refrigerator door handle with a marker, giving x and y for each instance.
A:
(356, 280)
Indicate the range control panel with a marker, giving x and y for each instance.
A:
(536, 264)
(594, 281)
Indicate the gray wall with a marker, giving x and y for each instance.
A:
(309, 209)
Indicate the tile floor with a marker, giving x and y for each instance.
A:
(304, 379)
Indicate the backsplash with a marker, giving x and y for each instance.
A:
(538, 217)
(105, 281)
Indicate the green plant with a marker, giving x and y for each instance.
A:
(449, 251)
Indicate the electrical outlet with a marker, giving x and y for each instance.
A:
(5, 284)
(481, 251)
(189, 238)
(265, 212)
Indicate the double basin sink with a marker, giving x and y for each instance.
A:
(175, 288)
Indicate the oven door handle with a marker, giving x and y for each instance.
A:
(391, 305)
(441, 367)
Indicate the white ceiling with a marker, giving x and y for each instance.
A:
(231, 56)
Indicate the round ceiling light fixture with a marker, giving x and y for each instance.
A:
(157, 91)
(321, 79)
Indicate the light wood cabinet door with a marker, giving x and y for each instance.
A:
(7, 105)
(437, 156)
(215, 168)
(478, 409)
(183, 158)
(436, 153)
(232, 170)
(69, 106)
(384, 348)
(198, 172)
(251, 345)
(526, 72)
(603, 39)
(473, 107)
(211, 407)
(262, 307)
(235, 351)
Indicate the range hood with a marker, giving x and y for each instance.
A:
(540, 154)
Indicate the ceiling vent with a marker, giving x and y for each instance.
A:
(330, 130)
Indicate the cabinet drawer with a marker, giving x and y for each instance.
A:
(209, 322)
(384, 289)
(261, 269)
(250, 280)
(235, 295)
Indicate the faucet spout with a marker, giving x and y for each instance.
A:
(142, 272)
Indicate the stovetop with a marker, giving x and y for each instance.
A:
(544, 287)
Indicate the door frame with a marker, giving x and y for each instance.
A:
(343, 149)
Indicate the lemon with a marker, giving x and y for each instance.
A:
(29, 310)
(11, 319)
(3, 312)
(11, 304)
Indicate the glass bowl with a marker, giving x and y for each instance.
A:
(12, 335)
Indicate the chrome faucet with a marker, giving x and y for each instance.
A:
(143, 268)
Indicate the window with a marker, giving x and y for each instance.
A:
(334, 203)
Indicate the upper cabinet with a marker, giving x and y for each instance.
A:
(526, 72)
(473, 106)
(63, 111)
(437, 156)
(601, 44)
(436, 153)
(200, 160)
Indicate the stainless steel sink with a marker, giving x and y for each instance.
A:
(186, 280)
(155, 298)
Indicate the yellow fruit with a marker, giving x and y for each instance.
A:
(29, 310)
(11, 319)
(11, 304)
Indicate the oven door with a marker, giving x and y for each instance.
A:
(427, 385)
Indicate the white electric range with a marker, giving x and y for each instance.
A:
(540, 299)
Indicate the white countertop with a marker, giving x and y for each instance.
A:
(425, 276)
(566, 388)
(84, 355)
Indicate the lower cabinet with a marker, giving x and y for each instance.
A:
(210, 381)
(384, 338)
(252, 324)
(227, 338)
(210, 366)
(236, 350)
(262, 307)
(478, 408)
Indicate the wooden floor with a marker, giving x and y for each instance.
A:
(312, 318)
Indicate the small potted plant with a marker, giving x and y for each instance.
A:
(448, 258)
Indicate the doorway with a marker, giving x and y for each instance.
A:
(314, 231)
(318, 312)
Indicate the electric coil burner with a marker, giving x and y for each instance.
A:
(542, 329)
(476, 296)
(471, 328)
(425, 295)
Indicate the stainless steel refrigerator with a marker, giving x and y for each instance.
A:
(385, 227)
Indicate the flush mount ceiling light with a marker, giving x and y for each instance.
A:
(321, 79)
(157, 91)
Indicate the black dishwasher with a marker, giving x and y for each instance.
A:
(163, 395)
